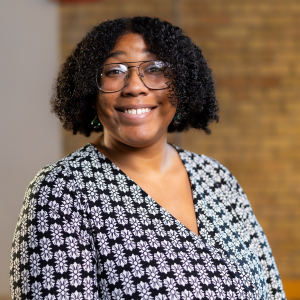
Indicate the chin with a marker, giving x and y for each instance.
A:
(141, 137)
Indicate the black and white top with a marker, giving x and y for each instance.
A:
(87, 231)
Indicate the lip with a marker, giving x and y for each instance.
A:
(134, 106)
(132, 117)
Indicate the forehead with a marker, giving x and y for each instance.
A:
(130, 47)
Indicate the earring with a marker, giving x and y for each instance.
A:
(96, 122)
(176, 119)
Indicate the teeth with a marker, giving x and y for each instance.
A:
(137, 111)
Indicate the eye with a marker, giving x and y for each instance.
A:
(154, 69)
(112, 71)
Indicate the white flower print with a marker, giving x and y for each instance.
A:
(185, 262)
(201, 270)
(48, 277)
(154, 279)
(162, 265)
(127, 283)
(231, 295)
(195, 283)
(23, 252)
(88, 288)
(187, 295)
(103, 244)
(135, 263)
(110, 269)
(128, 203)
(58, 187)
(107, 171)
(143, 289)
(83, 233)
(106, 206)
(95, 161)
(87, 260)
(174, 239)
(86, 169)
(120, 215)
(72, 246)
(62, 285)
(35, 268)
(76, 296)
(79, 179)
(46, 249)
(161, 297)
(122, 185)
(37, 183)
(100, 181)
(36, 290)
(113, 191)
(151, 205)
(42, 221)
(117, 294)
(152, 240)
(170, 253)
(50, 297)
(112, 230)
(128, 241)
(136, 194)
(25, 281)
(136, 228)
(143, 216)
(179, 274)
(56, 233)
(120, 258)
(67, 204)
(167, 218)
(60, 262)
(159, 228)
(53, 211)
(75, 274)
(97, 217)
(92, 191)
(44, 195)
(191, 250)
(72, 185)
(144, 251)
(31, 210)
(170, 285)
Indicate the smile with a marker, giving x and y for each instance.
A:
(138, 111)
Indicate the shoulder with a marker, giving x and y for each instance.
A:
(64, 177)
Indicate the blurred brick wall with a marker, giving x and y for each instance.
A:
(253, 48)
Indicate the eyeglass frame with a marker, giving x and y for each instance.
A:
(127, 76)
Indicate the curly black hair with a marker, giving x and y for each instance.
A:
(192, 89)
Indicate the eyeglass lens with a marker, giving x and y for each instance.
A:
(113, 77)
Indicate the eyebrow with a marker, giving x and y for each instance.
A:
(118, 53)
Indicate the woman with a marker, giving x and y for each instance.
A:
(130, 216)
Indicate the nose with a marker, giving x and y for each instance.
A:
(134, 86)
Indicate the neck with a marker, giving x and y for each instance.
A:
(147, 159)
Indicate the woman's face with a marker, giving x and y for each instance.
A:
(135, 130)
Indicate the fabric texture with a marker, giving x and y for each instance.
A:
(87, 231)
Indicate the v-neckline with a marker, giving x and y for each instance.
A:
(193, 190)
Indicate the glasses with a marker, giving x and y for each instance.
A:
(113, 78)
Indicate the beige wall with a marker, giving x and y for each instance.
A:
(30, 135)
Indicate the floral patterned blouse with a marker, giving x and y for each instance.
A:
(87, 231)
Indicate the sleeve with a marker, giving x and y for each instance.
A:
(53, 255)
(258, 239)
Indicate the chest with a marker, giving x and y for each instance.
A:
(172, 192)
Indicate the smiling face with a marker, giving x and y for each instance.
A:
(136, 116)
